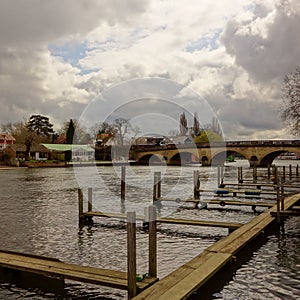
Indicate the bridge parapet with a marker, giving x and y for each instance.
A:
(258, 152)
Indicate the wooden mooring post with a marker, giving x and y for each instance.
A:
(274, 173)
(123, 183)
(278, 200)
(240, 175)
(90, 199)
(156, 187)
(80, 205)
(281, 186)
(196, 187)
(131, 254)
(254, 174)
(152, 241)
(269, 172)
(220, 176)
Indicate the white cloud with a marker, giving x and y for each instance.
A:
(233, 53)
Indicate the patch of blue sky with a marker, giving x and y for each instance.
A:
(72, 53)
(250, 7)
(209, 42)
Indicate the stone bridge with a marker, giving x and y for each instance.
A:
(259, 153)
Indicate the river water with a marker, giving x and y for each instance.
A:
(39, 215)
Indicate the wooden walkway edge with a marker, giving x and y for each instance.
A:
(188, 278)
(54, 268)
(230, 225)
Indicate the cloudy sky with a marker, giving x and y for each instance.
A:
(58, 56)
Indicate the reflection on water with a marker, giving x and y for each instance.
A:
(38, 215)
(274, 270)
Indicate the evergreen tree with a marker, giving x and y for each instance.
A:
(183, 124)
(70, 134)
(37, 130)
(196, 127)
(40, 125)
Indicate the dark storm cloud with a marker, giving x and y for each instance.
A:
(267, 45)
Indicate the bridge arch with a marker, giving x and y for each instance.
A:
(150, 159)
(183, 157)
(268, 159)
(258, 153)
(205, 161)
(219, 158)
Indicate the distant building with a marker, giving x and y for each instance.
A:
(151, 140)
(17, 151)
(78, 152)
(6, 139)
(181, 139)
(102, 139)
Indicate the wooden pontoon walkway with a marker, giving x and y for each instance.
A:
(230, 225)
(57, 269)
(221, 202)
(190, 277)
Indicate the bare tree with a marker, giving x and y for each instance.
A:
(215, 126)
(122, 128)
(290, 113)
(27, 137)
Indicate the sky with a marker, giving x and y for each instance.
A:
(149, 60)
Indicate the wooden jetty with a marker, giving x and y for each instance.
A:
(14, 265)
(230, 225)
(88, 215)
(206, 270)
(53, 268)
(203, 273)
(247, 191)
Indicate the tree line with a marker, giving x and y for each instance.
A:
(208, 133)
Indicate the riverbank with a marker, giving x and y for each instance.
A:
(42, 164)
(3, 168)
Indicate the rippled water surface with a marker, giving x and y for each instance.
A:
(39, 215)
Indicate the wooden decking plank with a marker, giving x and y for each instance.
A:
(198, 270)
(49, 270)
(238, 191)
(219, 245)
(199, 260)
(111, 278)
(249, 184)
(178, 200)
(251, 229)
(110, 215)
(232, 202)
(287, 213)
(199, 223)
(182, 282)
(172, 220)
(198, 277)
(218, 201)
(164, 284)
(66, 266)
